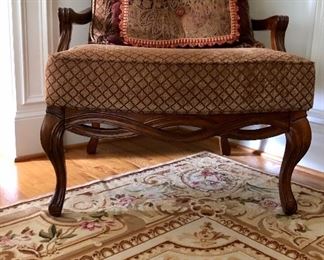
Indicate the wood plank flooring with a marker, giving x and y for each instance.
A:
(25, 180)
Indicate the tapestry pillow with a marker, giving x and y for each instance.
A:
(105, 22)
(173, 23)
(106, 19)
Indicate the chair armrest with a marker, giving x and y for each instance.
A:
(277, 25)
(67, 17)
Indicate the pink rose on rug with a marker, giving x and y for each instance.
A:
(6, 241)
(125, 200)
(206, 173)
(268, 204)
(90, 225)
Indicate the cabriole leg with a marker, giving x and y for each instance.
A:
(52, 141)
(93, 143)
(225, 146)
(298, 140)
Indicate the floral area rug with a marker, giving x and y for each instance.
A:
(200, 207)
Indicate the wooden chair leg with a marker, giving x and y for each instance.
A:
(225, 146)
(298, 140)
(52, 141)
(93, 143)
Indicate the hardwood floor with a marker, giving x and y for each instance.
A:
(25, 180)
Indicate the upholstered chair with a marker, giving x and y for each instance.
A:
(152, 65)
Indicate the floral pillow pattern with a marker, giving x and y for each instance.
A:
(105, 22)
(170, 23)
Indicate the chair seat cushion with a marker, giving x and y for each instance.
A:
(182, 81)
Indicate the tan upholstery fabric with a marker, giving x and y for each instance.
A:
(175, 23)
(191, 81)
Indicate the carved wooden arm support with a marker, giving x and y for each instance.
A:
(277, 25)
(67, 17)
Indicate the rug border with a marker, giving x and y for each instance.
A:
(138, 171)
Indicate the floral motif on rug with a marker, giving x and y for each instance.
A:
(199, 207)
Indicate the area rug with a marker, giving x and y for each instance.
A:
(200, 207)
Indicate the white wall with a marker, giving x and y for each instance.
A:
(35, 26)
(36, 34)
(301, 24)
(7, 93)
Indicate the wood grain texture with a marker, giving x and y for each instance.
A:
(225, 146)
(67, 17)
(93, 142)
(33, 178)
(156, 125)
(298, 141)
(52, 142)
(277, 25)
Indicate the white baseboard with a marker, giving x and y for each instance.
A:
(316, 116)
(276, 145)
(28, 136)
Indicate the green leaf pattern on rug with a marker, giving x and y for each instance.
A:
(58, 235)
(54, 237)
(203, 201)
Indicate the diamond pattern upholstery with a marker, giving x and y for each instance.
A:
(182, 81)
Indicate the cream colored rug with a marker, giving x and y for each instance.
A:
(200, 207)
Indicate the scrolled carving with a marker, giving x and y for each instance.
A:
(157, 125)
(68, 17)
(278, 26)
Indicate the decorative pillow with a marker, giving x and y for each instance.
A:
(173, 23)
(246, 32)
(105, 24)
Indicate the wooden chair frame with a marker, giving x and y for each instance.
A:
(88, 122)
